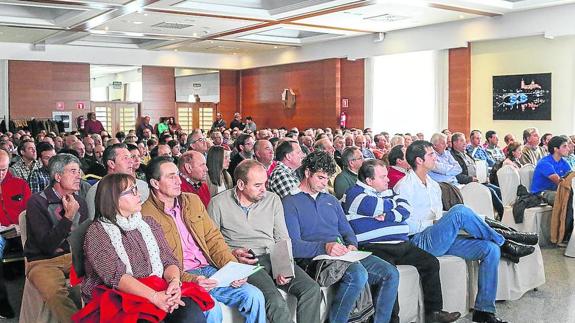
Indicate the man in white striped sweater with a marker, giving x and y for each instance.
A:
(377, 216)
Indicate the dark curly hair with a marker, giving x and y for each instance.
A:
(317, 161)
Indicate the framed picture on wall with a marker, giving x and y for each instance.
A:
(522, 97)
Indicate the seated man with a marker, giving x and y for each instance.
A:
(14, 195)
(283, 178)
(532, 152)
(252, 219)
(398, 167)
(40, 178)
(492, 148)
(476, 150)
(446, 167)
(378, 215)
(351, 159)
(50, 217)
(317, 226)
(438, 234)
(469, 172)
(193, 175)
(198, 245)
(551, 169)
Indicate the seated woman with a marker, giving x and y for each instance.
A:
(218, 161)
(127, 253)
(513, 155)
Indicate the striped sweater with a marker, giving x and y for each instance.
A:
(362, 204)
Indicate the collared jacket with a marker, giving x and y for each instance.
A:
(206, 235)
(15, 195)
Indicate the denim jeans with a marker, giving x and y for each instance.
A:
(2, 246)
(247, 298)
(377, 273)
(483, 245)
(496, 198)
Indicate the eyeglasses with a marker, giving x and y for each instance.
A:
(201, 139)
(132, 190)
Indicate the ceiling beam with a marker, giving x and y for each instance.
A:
(289, 20)
(463, 10)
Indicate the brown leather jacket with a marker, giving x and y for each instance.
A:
(208, 238)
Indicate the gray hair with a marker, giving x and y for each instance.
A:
(57, 163)
(436, 136)
(348, 155)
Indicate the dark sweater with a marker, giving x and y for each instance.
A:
(47, 238)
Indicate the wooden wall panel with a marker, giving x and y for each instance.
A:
(229, 94)
(353, 88)
(36, 87)
(459, 112)
(159, 92)
(316, 85)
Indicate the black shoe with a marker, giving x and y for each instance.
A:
(527, 238)
(486, 317)
(498, 225)
(510, 257)
(6, 310)
(441, 317)
(515, 249)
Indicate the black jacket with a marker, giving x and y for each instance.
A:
(463, 177)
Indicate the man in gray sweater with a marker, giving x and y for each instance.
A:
(252, 221)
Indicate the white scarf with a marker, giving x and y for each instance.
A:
(134, 222)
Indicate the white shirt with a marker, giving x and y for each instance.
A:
(425, 201)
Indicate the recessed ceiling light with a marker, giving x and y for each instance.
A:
(195, 34)
(461, 16)
(175, 50)
(137, 22)
(235, 53)
(106, 28)
(211, 41)
(275, 47)
(145, 15)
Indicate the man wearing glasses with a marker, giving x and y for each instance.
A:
(351, 158)
(197, 142)
(117, 159)
(245, 147)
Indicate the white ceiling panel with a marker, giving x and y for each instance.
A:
(383, 17)
(23, 35)
(173, 24)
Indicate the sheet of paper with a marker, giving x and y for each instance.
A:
(233, 271)
(351, 256)
(281, 258)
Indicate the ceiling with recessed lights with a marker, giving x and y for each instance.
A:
(232, 27)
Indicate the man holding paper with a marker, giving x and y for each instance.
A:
(377, 216)
(252, 222)
(317, 226)
(197, 243)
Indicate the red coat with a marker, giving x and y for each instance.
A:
(15, 195)
(111, 305)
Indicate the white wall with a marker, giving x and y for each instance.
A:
(99, 85)
(4, 96)
(524, 56)
(209, 90)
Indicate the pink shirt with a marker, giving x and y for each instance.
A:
(193, 256)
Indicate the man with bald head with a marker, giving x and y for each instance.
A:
(361, 142)
(264, 153)
(193, 173)
(15, 194)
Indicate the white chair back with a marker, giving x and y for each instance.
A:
(508, 178)
(481, 168)
(22, 224)
(526, 175)
(478, 198)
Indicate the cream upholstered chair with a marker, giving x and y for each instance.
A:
(526, 175)
(482, 173)
(478, 198)
(535, 219)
